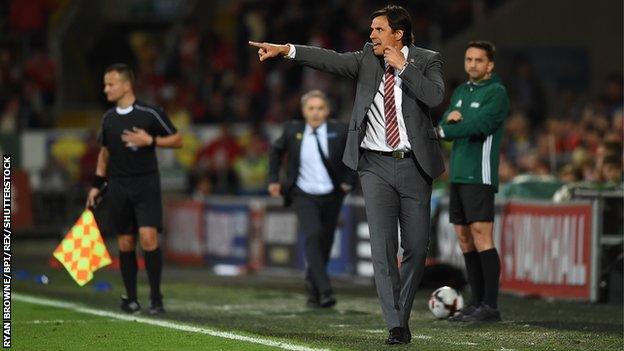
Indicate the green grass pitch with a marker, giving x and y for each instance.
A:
(272, 309)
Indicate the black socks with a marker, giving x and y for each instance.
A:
(475, 277)
(128, 266)
(490, 264)
(153, 266)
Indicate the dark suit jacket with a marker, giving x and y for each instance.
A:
(422, 85)
(289, 143)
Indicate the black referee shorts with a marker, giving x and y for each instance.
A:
(471, 203)
(134, 202)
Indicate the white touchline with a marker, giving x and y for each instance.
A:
(61, 321)
(161, 323)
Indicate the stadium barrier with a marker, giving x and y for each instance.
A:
(547, 249)
(247, 234)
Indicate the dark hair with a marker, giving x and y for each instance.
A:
(124, 70)
(398, 19)
(576, 172)
(484, 45)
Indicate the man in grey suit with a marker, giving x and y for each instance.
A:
(392, 144)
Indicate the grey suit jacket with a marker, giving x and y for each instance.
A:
(423, 88)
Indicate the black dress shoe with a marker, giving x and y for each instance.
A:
(327, 300)
(130, 306)
(459, 316)
(156, 307)
(484, 313)
(397, 336)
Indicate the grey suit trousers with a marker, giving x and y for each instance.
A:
(395, 193)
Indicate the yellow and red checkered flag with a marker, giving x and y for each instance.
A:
(82, 252)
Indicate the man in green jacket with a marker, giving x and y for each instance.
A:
(474, 121)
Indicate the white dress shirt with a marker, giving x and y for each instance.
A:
(375, 138)
(313, 176)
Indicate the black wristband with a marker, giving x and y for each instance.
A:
(98, 181)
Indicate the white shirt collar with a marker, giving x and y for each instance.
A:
(405, 51)
(124, 111)
(319, 130)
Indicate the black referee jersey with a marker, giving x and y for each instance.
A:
(132, 161)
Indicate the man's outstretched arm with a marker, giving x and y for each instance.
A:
(342, 64)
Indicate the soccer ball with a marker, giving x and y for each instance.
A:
(445, 302)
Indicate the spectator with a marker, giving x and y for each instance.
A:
(612, 170)
(252, 169)
(506, 170)
(203, 189)
(9, 117)
(41, 70)
(570, 174)
(220, 153)
(88, 161)
(217, 159)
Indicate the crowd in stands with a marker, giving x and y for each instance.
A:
(27, 71)
(578, 143)
(203, 75)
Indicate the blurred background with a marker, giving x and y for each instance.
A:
(560, 60)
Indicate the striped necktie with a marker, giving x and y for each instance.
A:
(392, 126)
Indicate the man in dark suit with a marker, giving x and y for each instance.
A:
(316, 183)
(392, 144)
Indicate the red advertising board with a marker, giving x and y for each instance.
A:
(546, 250)
(184, 232)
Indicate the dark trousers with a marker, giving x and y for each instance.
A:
(317, 216)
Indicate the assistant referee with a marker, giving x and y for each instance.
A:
(127, 162)
(475, 122)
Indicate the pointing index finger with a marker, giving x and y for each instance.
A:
(256, 44)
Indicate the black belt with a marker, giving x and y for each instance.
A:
(395, 154)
